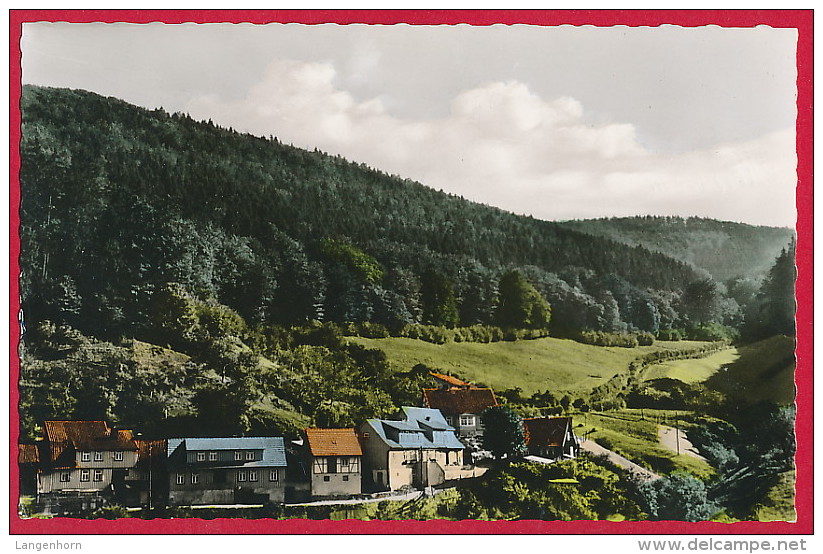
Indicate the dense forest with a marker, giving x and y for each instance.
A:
(118, 201)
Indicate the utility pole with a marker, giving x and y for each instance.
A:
(677, 431)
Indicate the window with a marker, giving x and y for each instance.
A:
(84, 474)
(241, 476)
(466, 421)
(344, 464)
(212, 456)
(98, 475)
(118, 456)
(450, 420)
(345, 477)
(195, 478)
(85, 456)
(319, 465)
(65, 476)
(479, 420)
(411, 456)
(98, 456)
(326, 478)
(201, 456)
(250, 455)
(365, 436)
(238, 456)
(253, 476)
(273, 475)
(181, 479)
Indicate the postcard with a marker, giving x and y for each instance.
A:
(411, 272)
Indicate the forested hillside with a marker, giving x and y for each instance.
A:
(118, 200)
(725, 249)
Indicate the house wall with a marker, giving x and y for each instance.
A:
(129, 460)
(208, 490)
(375, 457)
(400, 473)
(338, 483)
(475, 429)
(49, 481)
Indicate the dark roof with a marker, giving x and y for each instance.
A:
(449, 380)
(333, 442)
(459, 401)
(545, 431)
(27, 454)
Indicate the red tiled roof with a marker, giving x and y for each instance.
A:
(88, 435)
(333, 442)
(448, 379)
(545, 431)
(459, 401)
(28, 454)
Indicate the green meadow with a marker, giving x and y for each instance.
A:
(558, 365)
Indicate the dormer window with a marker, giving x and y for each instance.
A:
(238, 456)
(212, 456)
(201, 456)
(250, 455)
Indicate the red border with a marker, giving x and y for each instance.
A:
(802, 20)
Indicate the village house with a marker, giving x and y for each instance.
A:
(79, 465)
(551, 437)
(418, 451)
(334, 458)
(240, 470)
(462, 407)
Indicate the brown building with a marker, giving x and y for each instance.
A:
(335, 462)
(148, 479)
(462, 407)
(550, 437)
(78, 464)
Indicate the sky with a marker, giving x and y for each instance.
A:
(554, 122)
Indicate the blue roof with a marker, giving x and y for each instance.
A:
(274, 449)
(423, 428)
(430, 417)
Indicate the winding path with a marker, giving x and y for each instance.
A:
(618, 460)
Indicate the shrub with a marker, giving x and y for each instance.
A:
(670, 334)
(679, 497)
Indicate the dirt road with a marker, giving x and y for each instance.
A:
(618, 460)
(669, 439)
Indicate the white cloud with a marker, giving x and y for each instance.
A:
(504, 145)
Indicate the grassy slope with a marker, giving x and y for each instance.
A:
(764, 371)
(552, 364)
(759, 371)
(694, 370)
